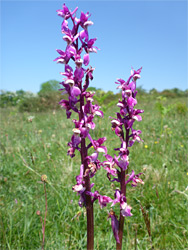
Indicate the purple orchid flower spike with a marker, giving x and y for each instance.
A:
(75, 82)
(117, 166)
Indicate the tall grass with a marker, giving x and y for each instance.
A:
(30, 149)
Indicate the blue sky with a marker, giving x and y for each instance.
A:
(151, 34)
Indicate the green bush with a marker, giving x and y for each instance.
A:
(8, 98)
(43, 102)
(167, 93)
(173, 93)
(181, 108)
(48, 87)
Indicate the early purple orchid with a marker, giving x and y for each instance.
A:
(123, 128)
(117, 166)
(75, 84)
(80, 101)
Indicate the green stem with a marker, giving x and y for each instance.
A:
(46, 208)
(162, 118)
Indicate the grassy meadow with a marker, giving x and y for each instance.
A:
(29, 149)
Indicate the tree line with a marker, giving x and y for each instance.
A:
(49, 96)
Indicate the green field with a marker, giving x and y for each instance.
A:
(30, 149)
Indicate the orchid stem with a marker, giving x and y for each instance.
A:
(123, 191)
(122, 218)
(89, 203)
